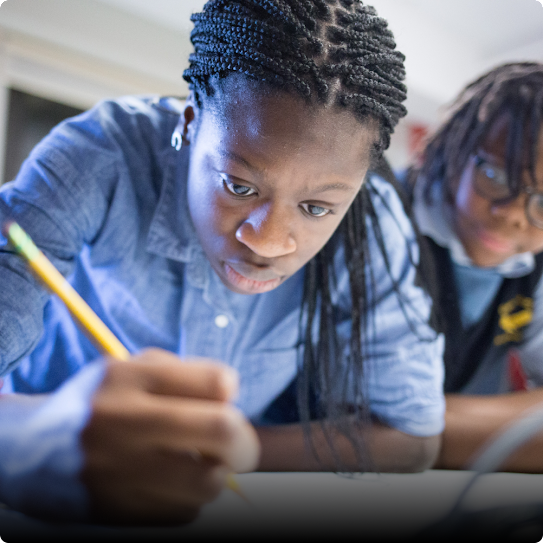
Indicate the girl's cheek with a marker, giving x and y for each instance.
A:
(463, 192)
(226, 217)
(537, 242)
(466, 200)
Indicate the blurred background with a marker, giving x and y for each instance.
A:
(59, 57)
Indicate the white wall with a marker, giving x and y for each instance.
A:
(80, 51)
(84, 50)
(448, 44)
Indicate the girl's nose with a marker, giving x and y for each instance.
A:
(266, 231)
(513, 212)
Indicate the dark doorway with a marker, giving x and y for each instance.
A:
(30, 118)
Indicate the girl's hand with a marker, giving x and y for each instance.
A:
(162, 438)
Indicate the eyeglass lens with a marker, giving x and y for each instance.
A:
(491, 182)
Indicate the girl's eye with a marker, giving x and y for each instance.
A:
(315, 211)
(537, 204)
(238, 190)
(496, 175)
(493, 175)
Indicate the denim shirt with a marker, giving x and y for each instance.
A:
(104, 196)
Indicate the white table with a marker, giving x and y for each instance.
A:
(387, 507)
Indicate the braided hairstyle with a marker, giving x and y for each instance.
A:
(327, 50)
(336, 52)
(514, 90)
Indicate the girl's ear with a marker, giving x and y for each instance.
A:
(188, 119)
(186, 125)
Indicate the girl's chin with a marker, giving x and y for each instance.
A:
(485, 258)
(485, 249)
(488, 262)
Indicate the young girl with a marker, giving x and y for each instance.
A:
(236, 236)
(478, 196)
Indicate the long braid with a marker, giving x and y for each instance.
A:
(328, 52)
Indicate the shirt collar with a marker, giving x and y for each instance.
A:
(435, 220)
(171, 233)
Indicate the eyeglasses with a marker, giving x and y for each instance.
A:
(490, 182)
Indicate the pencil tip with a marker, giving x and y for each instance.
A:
(234, 485)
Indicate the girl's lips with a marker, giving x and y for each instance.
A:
(248, 285)
(495, 244)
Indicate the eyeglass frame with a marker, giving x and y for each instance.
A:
(478, 160)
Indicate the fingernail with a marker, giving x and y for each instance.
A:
(231, 381)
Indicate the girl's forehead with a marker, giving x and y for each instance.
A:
(260, 109)
(234, 93)
(277, 131)
(529, 144)
(495, 137)
(495, 144)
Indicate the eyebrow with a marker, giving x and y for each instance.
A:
(230, 155)
(332, 187)
(490, 158)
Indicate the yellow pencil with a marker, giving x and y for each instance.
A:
(97, 331)
(89, 321)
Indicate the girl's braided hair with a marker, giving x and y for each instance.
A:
(514, 90)
(328, 52)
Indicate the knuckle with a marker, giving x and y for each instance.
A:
(218, 382)
(225, 424)
(149, 352)
(114, 372)
(150, 358)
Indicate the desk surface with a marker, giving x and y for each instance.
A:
(380, 506)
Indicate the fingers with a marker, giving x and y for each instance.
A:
(163, 489)
(160, 372)
(215, 430)
(140, 421)
(163, 436)
(161, 401)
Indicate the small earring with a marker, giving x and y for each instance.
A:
(177, 136)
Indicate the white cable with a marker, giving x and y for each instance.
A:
(500, 449)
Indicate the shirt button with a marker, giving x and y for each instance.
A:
(221, 321)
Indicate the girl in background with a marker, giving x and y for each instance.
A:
(478, 198)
